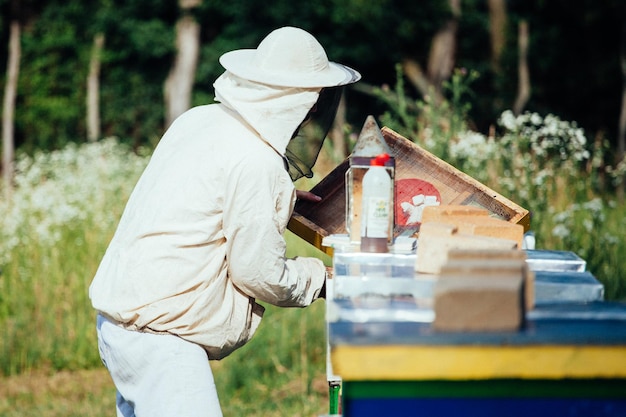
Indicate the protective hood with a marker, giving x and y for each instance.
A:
(304, 148)
(273, 112)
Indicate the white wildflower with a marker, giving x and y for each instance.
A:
(536, 119)
(595, 206)
(611, 239)
(541, 176)
(560, 231)
(508, 121)
(562, 217)
(473, 147)
(59, 189)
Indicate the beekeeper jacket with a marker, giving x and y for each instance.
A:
(201, 237)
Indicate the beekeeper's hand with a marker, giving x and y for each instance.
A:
(307, 195)
(329, 275)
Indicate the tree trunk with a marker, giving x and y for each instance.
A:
(93, 89)
(523, 86)
(8, 114)
(497, 30)
(179, 83)
(442, 50)
(621, 138)
(414, 73)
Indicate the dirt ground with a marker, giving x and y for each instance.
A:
(61, 383)
(90, 393)
(51, 394)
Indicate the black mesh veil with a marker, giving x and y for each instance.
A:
(303, 149)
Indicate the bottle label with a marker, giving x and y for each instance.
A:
(377, 219)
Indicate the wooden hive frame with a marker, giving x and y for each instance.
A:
(312, 221)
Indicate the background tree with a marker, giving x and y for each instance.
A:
(180, 81)
(441, 58)
(497, 31)
(10, 92)
(51, 86)
(93, 88)
(137, 58)
(523, 81)
(621, 131)
(572, 59)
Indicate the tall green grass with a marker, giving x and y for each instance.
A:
(282, 371)
(54, 232)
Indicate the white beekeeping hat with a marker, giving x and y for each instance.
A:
(288, 57)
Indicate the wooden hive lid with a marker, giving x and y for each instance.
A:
(313, 221)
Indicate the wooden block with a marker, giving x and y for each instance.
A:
(488, 226)
(529, 288)
(442, 229)
(437, 239)
(486, 254)
(491, 261)
(474, 303)
(442, 212)
(484, 268)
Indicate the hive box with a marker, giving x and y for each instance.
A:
(417, 172)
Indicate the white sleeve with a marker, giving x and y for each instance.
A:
(256, 211)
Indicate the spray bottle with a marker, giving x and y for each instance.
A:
(377, 206)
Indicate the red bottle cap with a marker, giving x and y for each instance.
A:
(380, 160)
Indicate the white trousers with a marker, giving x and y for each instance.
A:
(157, 375)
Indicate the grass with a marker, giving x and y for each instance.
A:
(53, 335)
(82, 393)
(281, 372)
(54, 232)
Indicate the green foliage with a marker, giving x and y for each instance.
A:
(370, 36)
(48, 86)
(544, 164)
(54, 231)
(139, 52)
(573, 55)
(429, 117)
(138, 55)
(284, 365)
(595, 230)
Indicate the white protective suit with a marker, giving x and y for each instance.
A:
(201, 237)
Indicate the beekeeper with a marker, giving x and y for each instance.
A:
(201, 238)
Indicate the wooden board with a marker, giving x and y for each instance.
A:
(314, 221)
